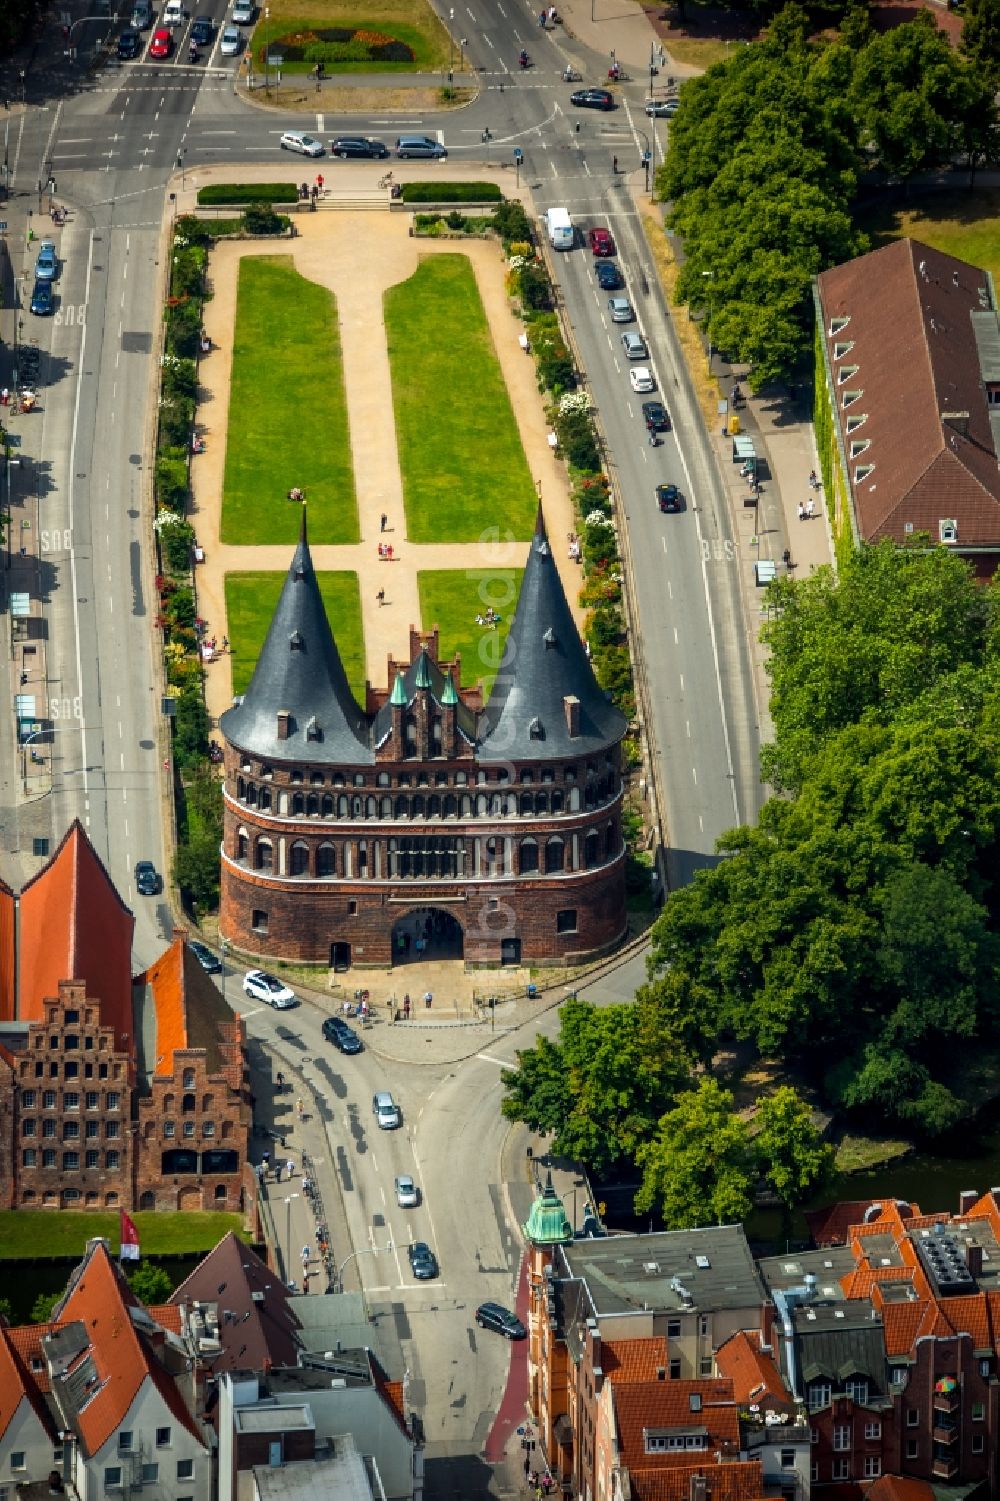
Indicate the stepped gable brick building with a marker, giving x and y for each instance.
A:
(137, 1102)
(911, 364)
(491, 833)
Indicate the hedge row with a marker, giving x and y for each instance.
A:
(451, 192)
(248, 192)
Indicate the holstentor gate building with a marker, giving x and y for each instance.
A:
(424, 817)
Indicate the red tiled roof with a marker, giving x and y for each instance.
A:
(391, 1392)
(831, 1226)
(754, 1375)
(75, 926)
(16, 1385)
(27, 1341)
(167, 1316)
(634, 1359)
(642, 1405)
(910, 308)
(741, 1480)
(166, 981)
(100, 1300)
(900, 1488)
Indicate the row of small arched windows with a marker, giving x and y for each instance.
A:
(414, 806)
(531, 855)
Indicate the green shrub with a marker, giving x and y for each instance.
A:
(172, 479)
(455, 220)
(578, 440)
(534, 287)
(249, 192)
(176, 539)
(260, 219)
(191, 725)
(606, 628)
(450, 192)
(556, 371)
(178, 608)
(176, 421)
(613, 669)
(180, 377)
(183, 321)
(512, 223)
(600, 549)
(190, 230)
(187, 270)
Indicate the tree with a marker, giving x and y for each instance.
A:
(6, 1311)
(698, 1168)
(151, 1284)
(790, 1151)
(41, 1309)
(980, 41)
(17, 17)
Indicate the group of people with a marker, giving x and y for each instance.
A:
(807, 509)
(296, 493)
(385, 552)
(542, 1485)
(264, 1165)
(548, 17)
(489, 618)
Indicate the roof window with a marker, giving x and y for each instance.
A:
(846, 372)
(842, 347)
(858, 447)
(837, 325)
(948, 530)
(853, 423)
(862, 472)
(850, 397)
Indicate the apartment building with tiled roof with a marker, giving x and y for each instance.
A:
(908, 414)
(114, 1092)
(105, 1395)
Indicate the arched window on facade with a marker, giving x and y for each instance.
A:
(610, 843)
(312, 805)
(541, 802)
(298, 860)
(451, 806)
(553, 857)
(326, 807)
(529, 857)
(436, 739)
(591, 849)
(298, 805)
(251, 795)
(557, 800)
(326, 860)
(410, 734)
(264, 855)
(242, 847)
(402, 807)
(265, 798)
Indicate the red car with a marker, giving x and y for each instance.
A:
(162, 44)
(601, 242)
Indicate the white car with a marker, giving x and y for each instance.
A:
(231, 42)
(267, 988)
(634, 346)
(642, 378)
(243, 13)
(662, 108)
(173, 14)
(407, 1195)
(305, 145)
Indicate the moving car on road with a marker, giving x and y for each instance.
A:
(343, 1037)
(601, 242)
(495, 1316)
(609, 278)
(634, 346)
(423, 1262)
(407, 1193)
(669, 499)
(620, 309)
(345, 146)
(267, 988)
(129, 44)
(386, 1111)
(42, 300)
(162, 44)
(142, 15)
(202, 31)
(47, 264)
(641, 379)
(231, 42)
(419, 146)
(243, 13)
(303, 143)
(662, 108)
(210, 963)
(147, 878)
(656, 416)
(593, 99)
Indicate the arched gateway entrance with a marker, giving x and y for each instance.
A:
(427, 933)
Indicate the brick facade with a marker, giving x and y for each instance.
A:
(191, 1136)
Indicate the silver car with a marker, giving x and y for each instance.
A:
(231, 42)
(634, 346)
(620, 309)
(407, 1194)
(302, 142)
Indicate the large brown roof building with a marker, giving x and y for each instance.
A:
(910, 343)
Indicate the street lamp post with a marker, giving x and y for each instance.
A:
(267, 46)
(180, 162)
(361, 1251)
(647, 155)
(709, 275)
(288, 1236)
(451, 44)
(652, 69)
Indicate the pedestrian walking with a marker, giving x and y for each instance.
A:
(305, 1255)
(260, 1172)
(801, 511)
(527, 1466)
(277, 1172)
(279, 1079)
(406, 1008)
(319, 181)
(266, 1161)
(383, 521)
(299, 1108)
(786, 557)
(428, 997)
(380, 596)
(810, 508)
(388, 551)
(290, 1168)
(614, 164)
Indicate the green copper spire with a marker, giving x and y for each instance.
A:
(423, 677)
(547, 1224)
(398, 695)
(448, 694)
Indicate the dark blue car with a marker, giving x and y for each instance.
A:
(42, 301)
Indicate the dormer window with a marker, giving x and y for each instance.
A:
(948, 531)
(549, 638)
(850, 397)
(862, 472)
(853, 423)
(295, 641)
(313, 731)
(858, 448)
(841, 348)
(846, 372)
(837, 325)
(535, 729)
(267, 772)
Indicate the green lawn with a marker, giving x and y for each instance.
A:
(42, 1232)
(465, 476)
(287, 412)
(409, 21)
(251, 599)
(452, 599)
(966, 225)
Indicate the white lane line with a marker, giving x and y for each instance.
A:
(500, 1062)
(71, 470)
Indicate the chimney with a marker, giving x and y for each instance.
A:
(571, 708)
(974, 1259)
(966, 1199)
(284, 723)
(957, 421)
(661, 1373)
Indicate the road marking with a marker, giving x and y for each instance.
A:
(72, 551)
(681, 675)
(500, 1062)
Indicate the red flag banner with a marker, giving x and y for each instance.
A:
(129, 1239)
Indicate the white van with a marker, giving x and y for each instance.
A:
(173, 13)
(559, 227)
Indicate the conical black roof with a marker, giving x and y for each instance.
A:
(299, 671)
(544, 663)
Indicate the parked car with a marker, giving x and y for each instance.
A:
(268, 988)
(174, 13)
(129, 44)
(669, 499)
(202, 31)
(303, 143)
(343, 1037)
(634, 346)
(345, 146)
(386, 1111)
(419, 146)
(210, 963)
(655, 416)
(243, 13)
(47, 263)
(495, 1316)
(609, 278)
(593, 99)
(641, 379)
(620, 309)
(162, 44)
(231, 42)
(423, 1262)
(142, 14)
(661, 108)
(42, 300)
(407, 1193)
(147, 878)
(601, 242)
